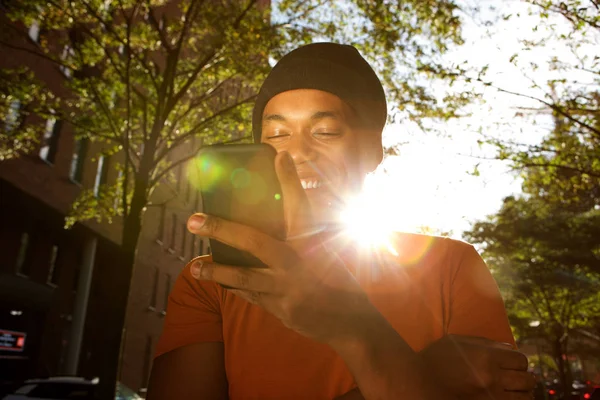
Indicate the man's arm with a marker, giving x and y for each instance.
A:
(476, 359)
(189, 362)
(385, 366)
(195, 371)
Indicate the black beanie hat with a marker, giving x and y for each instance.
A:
(330, 67)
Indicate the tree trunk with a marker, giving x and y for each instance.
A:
(132, 226)
(560, 350)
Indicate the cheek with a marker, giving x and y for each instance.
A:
(347, 160)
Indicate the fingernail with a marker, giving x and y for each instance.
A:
(196, 222)
(196, 269)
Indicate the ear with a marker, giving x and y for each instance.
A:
(371, 152)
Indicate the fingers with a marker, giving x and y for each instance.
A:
(204, 258)
(295, 203)
(504, 354)
(271, 251)
(480, 341)
(514, 396)
(513, 360)
(247, 279)
(516, 381)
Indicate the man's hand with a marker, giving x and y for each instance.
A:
(477, 368)
(305, 285)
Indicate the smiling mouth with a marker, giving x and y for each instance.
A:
(311, 184)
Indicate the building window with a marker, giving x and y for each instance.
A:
(154, 294)
(67, 53)
(173, 231)
(101, 173)
(34, 31)
(160, 232)
(167, 291)
(197, 201)
(11, 120)
(22, 264)
(193, 246)
(78, 160)
(147, 361)
(200, 247)
(118, 191)
(188, 191)
(50, 140)
(106, 5)
(76, 274)
(179, 178)
(184, 238)
(54, 267)
(112, 100)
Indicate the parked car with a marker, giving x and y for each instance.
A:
(579, 391)
(595, 394)
(65, 388)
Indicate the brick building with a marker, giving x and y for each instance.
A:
(60, 288)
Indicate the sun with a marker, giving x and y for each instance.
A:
(392, 200)
(371, 217)
(366, 224)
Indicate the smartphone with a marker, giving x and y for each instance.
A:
(238, 183)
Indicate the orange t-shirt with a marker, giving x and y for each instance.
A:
(433, 287)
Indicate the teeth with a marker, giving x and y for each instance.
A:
(311, 184)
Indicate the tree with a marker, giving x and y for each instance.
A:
(569, 93)
(21, 95)
(545, 259)
(148, 77)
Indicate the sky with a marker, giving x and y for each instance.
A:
(428, 183)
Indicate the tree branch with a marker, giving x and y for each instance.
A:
(550, 165)
(201, 64)
(109, 28)
(200, 125)
(195, 103)
(552, 106)
(155, 24)
(34, 52)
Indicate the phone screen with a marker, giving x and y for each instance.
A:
(239, 183)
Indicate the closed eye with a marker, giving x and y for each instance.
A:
(327, 135)
(278, 136)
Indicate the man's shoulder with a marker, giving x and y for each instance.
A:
(421, 246)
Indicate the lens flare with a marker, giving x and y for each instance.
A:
(206, 167)
(364, 223)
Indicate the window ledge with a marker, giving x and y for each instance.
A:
(74, 182)
(47, 162)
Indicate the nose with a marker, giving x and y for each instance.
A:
(301, 149)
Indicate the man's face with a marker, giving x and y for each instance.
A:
(316, 129)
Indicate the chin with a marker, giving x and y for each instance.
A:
(326, 206)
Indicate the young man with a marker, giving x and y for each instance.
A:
(324, 320)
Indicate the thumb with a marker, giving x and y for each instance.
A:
(296, 208)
